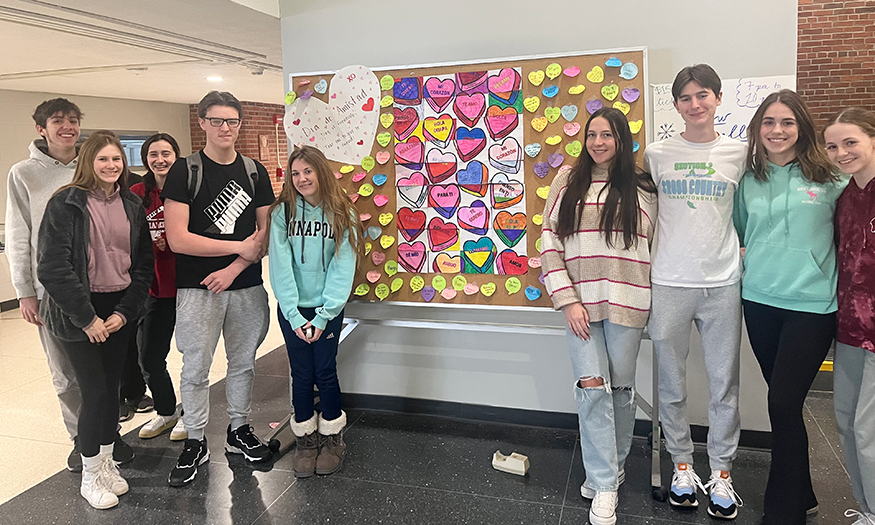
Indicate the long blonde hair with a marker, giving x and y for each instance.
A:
(85, 178)
(333, 200)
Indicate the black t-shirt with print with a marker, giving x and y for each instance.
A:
(223, 209)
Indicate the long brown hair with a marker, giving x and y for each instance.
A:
(863, 119)
(332, 199)
(810, 155)
(85, 178)
(149, 182)
(621, 207)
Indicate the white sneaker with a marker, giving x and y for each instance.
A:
(724, 501)
(93, 487)
(684, 484)
(157, 425)
(862, 519)
(112, 479)
(603, 510)
(179, 433)
(589, 493)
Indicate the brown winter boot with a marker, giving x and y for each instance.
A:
(333, 448)
(307, 447)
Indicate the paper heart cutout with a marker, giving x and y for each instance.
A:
(373, 232)
(505, 85)
(613, 62)
(353, 197)
(411, 257)
(385, 218)
(346, 169)
(471, 288)
(479, 255)
(534, 262)
(386, 120)
(576, 90)
(571, 128)
(338, 175)
(543, 191)
(439, 282)
(411, 223)
(321, 86)
(509, 263)
(537, 219)
(555, 159)
(439, 93)
(635, 126)
(449, 294)
(532, 293)
(533, 149)
(469, 108)
(439, 130)
(444, 198)
(366, 189)
(410, 153)
(383, 139)
(553, 70)
(507, 156)
(631, 94)
(536, 77)
(513, 285)
(505, 192)
(629, 71)
(439, 165)
(386, 82)
(417, 282)
(569, 112)
(413, 189)
(635, 146)
(459, 283)
(552, 114)
(445, 263)
(474, 218)
(593, 105)
(378, 258)
(428, 293)
(368, 247)
(473, 179)
(596, 75)
(501, 122)
(290, 97)
(407, 91)
(539, 123)
(368, 163)
(373, 276)
(488, 289)
(391, 268)
(363, 217)
(552, 141)
(380, 200)
(383, 157)
(538, 244)
(610, 91)
(387, 101)
(550, 91)
(406, 122)
(541, 169)
(571, 72)
(470, 142)
(531, 104)
(470, 80)
(510, 228)
(622, 106)
(574, 148)
(360, 176)
(346, 125)
(441, 235)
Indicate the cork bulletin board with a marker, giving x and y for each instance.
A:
(449, 165)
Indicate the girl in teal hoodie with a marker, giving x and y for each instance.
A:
(315, 245)
(784, 216)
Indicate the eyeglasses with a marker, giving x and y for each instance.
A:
(217, 122)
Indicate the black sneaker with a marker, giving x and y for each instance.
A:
(125, 413)
(74, 460)
(194, 454)
(243, 440)
(121, 451)
(143, 404)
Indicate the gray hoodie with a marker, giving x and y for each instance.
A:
(31, 184)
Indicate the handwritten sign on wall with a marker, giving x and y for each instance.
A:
(741, 98)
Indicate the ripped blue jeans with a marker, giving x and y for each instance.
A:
(606, 413)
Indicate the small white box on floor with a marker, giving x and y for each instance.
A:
(514, 464)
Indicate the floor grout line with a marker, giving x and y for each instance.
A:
(568, 479)
(828, 442)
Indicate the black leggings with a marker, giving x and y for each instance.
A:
(155, 333)
(790, 347)
(98, 368)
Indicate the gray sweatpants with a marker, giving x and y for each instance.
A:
(717, 314)
(63, 379)
(243, 317)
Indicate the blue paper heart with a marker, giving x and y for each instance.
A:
(480, 245)
(380, 179)
(532, 293)
(408, 91)
(629, 71)
(374, 232)
(474, 134)
(613, 62)
(473, 174)
(532, 150)
(321, 86)
(635, 146)
(569, 112)
(550, 91)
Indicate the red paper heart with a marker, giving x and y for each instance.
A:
(509, 263)
(441, 235)
(369, 105)
(411, 223)
(500, 122)
(296, 121)
(469, 108)
(410, 152)
(406, 121)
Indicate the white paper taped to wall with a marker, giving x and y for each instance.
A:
(741, 98)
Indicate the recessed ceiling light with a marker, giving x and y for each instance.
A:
(214, 79)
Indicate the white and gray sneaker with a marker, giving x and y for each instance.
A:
(589, 493)
(684, 484)
(179, 433)
(603, 510)
(862, 518)
(724, 501)
(158, 425)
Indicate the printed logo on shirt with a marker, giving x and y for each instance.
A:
(872, 225)
(692, 182)
(156, 223)
(227, 208)
(299, 228)
(812, 192)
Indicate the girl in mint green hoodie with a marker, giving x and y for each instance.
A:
(315, 244)
(784, 216)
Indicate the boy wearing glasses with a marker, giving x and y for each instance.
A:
(217, 231)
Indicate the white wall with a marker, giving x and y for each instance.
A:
(17, 132)
(750, 38)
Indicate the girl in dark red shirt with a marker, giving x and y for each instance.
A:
(850, 143)
(159, 152)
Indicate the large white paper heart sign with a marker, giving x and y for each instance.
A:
(345, 127)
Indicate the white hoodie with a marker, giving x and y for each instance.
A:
(31, 184)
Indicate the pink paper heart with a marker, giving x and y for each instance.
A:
(358, 177)
(534, 262)
(448, 293)
(572, 71)
(469, 108)
(353, 197)
(374, 276)
(471, 289)
(364, 217)
(338, 175)
(410, 152)
(378, 258)
(411, 257)
(571, 128)
(415, 179)
(380, 200)
(439, 93)
(383, 156)
(631, 94)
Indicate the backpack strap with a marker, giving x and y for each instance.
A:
(252, 171)
(195, 174)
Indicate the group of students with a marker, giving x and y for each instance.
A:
(97, 263)
(772, 228)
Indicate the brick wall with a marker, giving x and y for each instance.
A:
(257, 120)
(836, 56)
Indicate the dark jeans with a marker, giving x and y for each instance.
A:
(311, 364)
(133, 386)
(154, 335)
(98, 368)
(790, 347)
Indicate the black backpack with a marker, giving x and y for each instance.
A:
(195, 173)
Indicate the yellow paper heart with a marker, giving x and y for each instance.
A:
(459, 283)
(610, 91)
(290, 97)
(552, 114)
(536, 77)
(368, 247)
(635, 126)
(543, 191)
(538, 244)
(386, 82)
(397, 283)
(417, 283)
(576, 90)
(513, 285)
(555, 139)
(366, 190)
(383, 139)
(368, 163)
(391, 268)
(532, 104)
(386, 241)
(574, 148)
(387, 101)
(553, 70)
(382, 291)
(488, 289)
(622, 106)
(439, 282)
(596, 75)
(539, 123)
(346, 169)
(386, 119)
(440, 129)
(362, 289)
(385, 218)
(538, 219)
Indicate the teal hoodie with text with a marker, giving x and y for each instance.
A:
(305, 271)
(786, 227)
